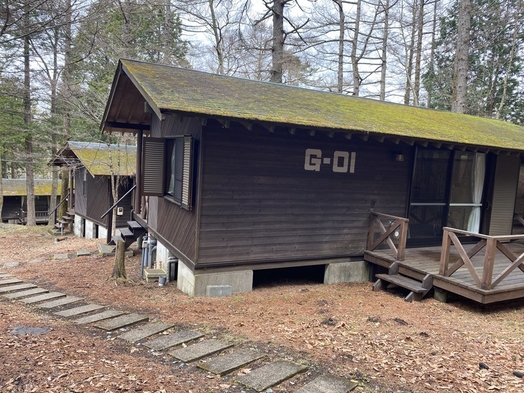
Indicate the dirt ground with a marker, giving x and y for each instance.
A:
(373, 338)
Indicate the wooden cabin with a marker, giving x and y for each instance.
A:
(14, 209)
(91, 166)
(236, 176)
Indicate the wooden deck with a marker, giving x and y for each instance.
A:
(426, 260)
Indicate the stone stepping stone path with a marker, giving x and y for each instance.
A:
(43, 297)
(259, 379)
(73, 312)
(14, 288)
(328, 384)
(226, 364)
(122, 322)
(10, 281)
(174, 339)
(145, 331)
(98, 317)
(28, 292)
(199, 350)
(64, 301)
(271, 374)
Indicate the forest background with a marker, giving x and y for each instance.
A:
(59, 58)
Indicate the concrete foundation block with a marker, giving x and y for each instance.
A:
(197, 284)
(219, 290)
(440, 295)
(102, 232)
(90, 229)
(78, 227)
(357, 271)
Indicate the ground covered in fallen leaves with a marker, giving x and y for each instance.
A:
(374, 338)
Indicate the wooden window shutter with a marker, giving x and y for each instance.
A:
(187, 175)
(154, 161)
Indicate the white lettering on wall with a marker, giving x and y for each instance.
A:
(341, 162)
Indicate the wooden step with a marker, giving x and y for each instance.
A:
(403, 281)
(135, 225)
(126, 232)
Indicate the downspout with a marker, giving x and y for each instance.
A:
(138, 178)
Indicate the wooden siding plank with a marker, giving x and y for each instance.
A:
(261, 203)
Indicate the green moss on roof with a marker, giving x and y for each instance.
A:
(17, 187)
(183, 90)
(101, 159)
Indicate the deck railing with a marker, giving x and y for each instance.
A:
(491, 244)
(396, 228)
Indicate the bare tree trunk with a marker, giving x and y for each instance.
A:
(28, 142)
(409, 62)
(383, 68)
(432, 50)
(119, 269)
(218, 38)
(418, 53)
(341, 37)
(460, 74)
(354, 46)
(506, 74)
(277, 50)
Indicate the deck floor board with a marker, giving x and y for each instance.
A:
(427, 260)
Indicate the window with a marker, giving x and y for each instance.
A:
(168, 169)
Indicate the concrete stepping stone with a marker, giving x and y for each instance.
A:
(73, 312)
(28, 292)
(64, 301)
(99, 317)
(145, 331)
(10, 281)
(122, 322)
(328, 384)
(43, 297)
(171, 340)
(271, 374)
(14, 288)
(226, 364)
(199, 350)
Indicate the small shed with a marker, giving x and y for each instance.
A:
(235, 176)
(15, 200)
(92, 165)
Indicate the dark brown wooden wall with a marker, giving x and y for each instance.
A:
(259, 204)
(176, 225)
(80, 199)
(98, 198)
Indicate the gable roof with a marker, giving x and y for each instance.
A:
(98, 158)
(17, 187)
(171, 89)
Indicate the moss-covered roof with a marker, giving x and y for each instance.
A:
(168, 88)
(17, 187)
(98, 158)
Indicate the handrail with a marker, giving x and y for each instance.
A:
(57, 206)
(117, 202)
(398, 228)
(491, 244)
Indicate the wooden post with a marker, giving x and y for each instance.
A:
(371, 233)
(402, 240)
(489, 262)
(444, 254)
